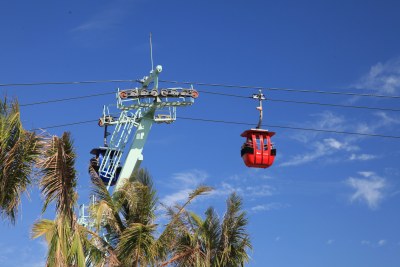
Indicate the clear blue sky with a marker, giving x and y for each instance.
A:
(329, 200)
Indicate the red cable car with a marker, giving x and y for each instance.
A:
(258, 150)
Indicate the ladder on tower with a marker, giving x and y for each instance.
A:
(120, 137)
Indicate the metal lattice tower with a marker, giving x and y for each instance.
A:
(138, 108)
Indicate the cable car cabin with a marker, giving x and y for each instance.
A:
(96, 161)
(258, 151)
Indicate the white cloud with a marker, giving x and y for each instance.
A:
(380, 120)
(333, 143)
(260, 190)
(368, 190)
(366, 174)
(266, 177)
(323, 120)
(330, 242)
(381, 242)
(258, 208)
(247, 191)
(382, 77)
(362, 157)
(177, 197)
(185, 182)
(190, 178)
(268, 207)
(385, 119)
(328, 119)
(320, 149)
(105, 19)
(226, 189)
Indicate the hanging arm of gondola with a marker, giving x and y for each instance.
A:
(260, 98)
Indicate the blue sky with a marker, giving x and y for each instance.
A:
(329, 199)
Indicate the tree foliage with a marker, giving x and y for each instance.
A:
(127, 221)
(123, 231)
(19, 152)
(68, 242)
(211, 242)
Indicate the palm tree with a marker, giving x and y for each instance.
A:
(124, 232)
(19, 151)
(234, 241)
(68, 242)
(210, 242)
(126, 222)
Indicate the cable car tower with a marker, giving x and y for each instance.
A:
(138, 108)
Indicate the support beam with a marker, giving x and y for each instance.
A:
(135, 156)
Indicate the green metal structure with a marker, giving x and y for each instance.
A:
(138, 108)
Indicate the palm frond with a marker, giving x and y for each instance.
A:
(76, 253)
(58, 180)
(211, 230)
(234, 241)
(143, 177)
(137, 245)
(67, 245)
(195, 220)
(138, 198)
(43, 228)
(56, 236)
(167, 233)
(99, 252)
(19, 152)
(176, 231)
(105, 210)
(188, 251)
(200, 190)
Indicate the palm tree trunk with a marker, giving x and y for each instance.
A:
(136, 262)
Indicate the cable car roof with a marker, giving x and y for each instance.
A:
(255, 131)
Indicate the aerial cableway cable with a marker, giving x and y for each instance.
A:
(222, 94)
(241, 123)
(65, 83)
(63, 99)
(305, 102)
(206, 84)
(281, 89)
(63, 125)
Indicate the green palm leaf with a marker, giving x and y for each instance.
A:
(137, 245)
(234, 241)
(19, 152)
(58, 180)
(68, 244)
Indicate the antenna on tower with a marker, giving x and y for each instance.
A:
(151, 53)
